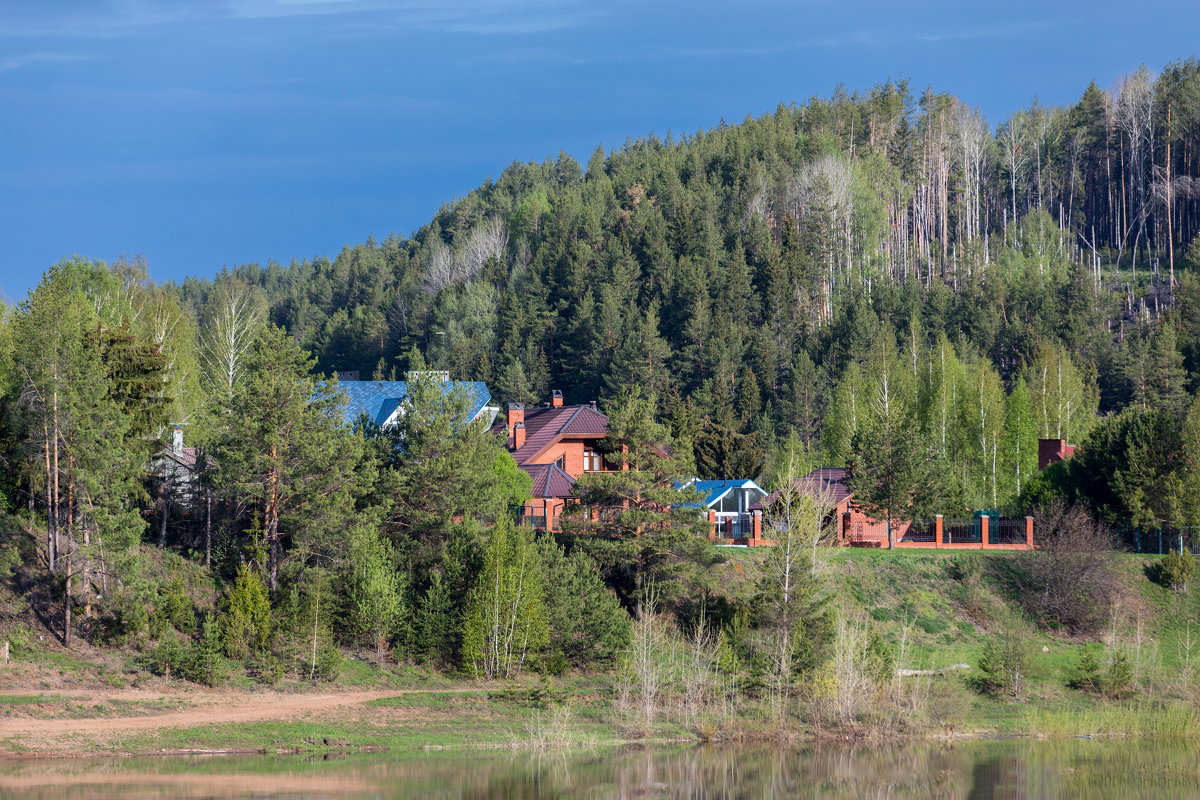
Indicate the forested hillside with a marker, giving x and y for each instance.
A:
(868, 274)
(752, 276)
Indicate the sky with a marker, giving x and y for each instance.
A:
(200, 135)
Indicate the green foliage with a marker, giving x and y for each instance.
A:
(634, 522)
(207, 664)
(1004, 666)
(246, 621)
(376, 591)
(588, 626)
(173, 608)
(285, 451)
(440, 467)
(1176, 569)
(966, 567)
(506, 622)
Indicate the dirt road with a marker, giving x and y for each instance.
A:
(209, 709)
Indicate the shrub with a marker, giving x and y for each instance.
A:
(173, 608)
(1087, 677)
(966, 567)
(1004, 666)
(1070, 581)
(206, 665)
(1118, 683)
(1176, 569)
(246, 624)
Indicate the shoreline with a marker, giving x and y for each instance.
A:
(416, 720)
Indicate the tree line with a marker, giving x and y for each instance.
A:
(874, 279)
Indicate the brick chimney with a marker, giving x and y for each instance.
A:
(1053, 450)
(516, 413)
(556, 399)
(518, 435)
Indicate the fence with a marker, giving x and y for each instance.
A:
(962, 531)
(920, 533)
(1159, 541)
(526, 518)
(1004, 530)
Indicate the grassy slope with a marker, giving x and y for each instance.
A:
(911, 597)
(935, 621)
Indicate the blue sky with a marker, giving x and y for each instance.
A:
(206, 134)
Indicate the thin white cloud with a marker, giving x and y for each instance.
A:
(493, 17)
(997, 32)
(29, 59)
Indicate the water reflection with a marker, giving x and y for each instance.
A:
(985, 770)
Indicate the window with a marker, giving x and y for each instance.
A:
(592, 461)
(561, 463)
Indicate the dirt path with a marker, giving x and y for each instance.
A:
(205, 708)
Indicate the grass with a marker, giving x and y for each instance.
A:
(29, 699)
(48, 706)
(409, 722)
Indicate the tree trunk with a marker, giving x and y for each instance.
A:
(164, 505)
(67, 600)
(208, 527)
(890, 534)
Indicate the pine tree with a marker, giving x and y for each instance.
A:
(588, 627)
(634, 521)
(286, 451)
(893, 473)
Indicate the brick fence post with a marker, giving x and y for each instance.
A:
(1029, 532)
(756, 529)
(712, 526)
(983, 530)
(937, 530)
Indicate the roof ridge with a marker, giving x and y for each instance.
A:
(570, 419)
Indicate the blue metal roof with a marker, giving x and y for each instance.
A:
(378, 400)
(715, 490)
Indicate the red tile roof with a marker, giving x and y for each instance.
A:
(826, 480)
(549, 480)
(545, 426)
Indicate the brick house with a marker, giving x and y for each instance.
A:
(554, 444)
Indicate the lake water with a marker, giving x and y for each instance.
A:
(979, 770)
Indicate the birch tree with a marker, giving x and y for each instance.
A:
(233, 317)
(506, 623)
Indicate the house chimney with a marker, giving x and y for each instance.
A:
(177, 440)
(1053, 450)
(556, 399)
(516, 413)
(518, 435)
(592, 403)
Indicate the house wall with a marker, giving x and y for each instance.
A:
(549, 507)
(572, 449)
(573, 452)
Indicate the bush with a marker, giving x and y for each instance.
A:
(1175, 570)
(1087, 676)
(966, 567)
(1118, 683)
(246, 624)
(1071, 580)
(173, 608)
(1004, 666)
(207, 665)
